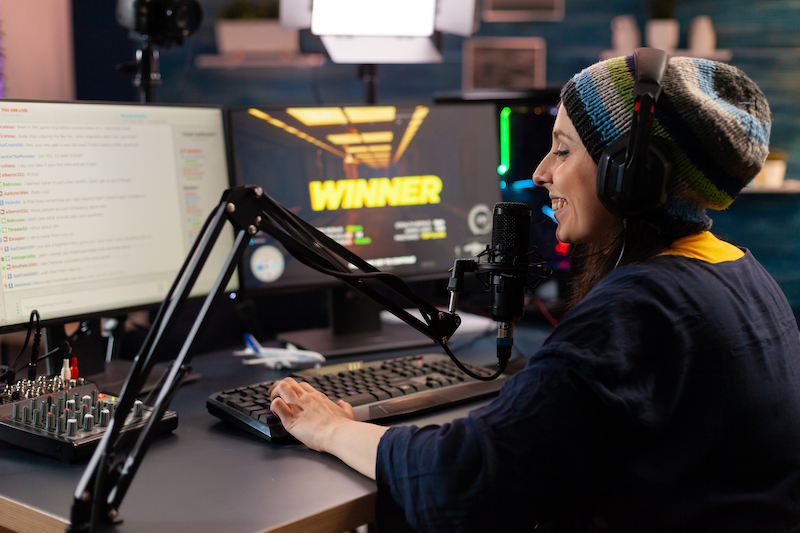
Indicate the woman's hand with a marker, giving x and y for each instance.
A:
(324, 426)
(306, 413)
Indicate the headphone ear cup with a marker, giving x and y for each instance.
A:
(627, 195)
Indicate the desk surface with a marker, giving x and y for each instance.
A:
(208, 476)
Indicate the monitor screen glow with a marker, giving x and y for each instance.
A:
(407, 188)
(100, 204)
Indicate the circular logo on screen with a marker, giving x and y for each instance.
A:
(479, 219)
(267, 264)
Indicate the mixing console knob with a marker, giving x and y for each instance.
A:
(71, 405)
(37, 418)
(88, 422)
(95, 394)
(62, 423)
(26, 414)
(34, 404)
(104, 417)
(137, 409)
(61, 404)
(87, 400)
(50, 425)
(72, 427)
(16, 411)
(80, 414)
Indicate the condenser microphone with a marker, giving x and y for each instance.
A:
(508, 269)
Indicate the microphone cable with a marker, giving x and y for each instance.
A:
(9, 376)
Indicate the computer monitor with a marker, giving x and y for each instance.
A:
(409, 188)
(526, 121)
(100, 204)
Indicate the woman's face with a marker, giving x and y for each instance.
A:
(569, 175)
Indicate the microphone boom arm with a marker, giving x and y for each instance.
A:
(111, 469)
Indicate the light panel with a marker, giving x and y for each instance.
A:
(373, 18)
(364, 114)
(380, 148)
(318, 116)
(377, 137)
(344, 138)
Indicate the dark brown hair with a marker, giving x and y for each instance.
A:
(642, 237)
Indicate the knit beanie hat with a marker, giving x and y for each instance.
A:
(713, 120)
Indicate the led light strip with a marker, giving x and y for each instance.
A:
(420, 112)
(505, 144)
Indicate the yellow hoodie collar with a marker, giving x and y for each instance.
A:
(704, 246)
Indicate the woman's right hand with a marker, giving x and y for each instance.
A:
(306, 413)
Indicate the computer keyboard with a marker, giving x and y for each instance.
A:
(378, 391)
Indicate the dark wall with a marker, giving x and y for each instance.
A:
(762, 37)
(100, 45)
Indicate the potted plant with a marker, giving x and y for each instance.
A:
(253, 27)
(662, 29)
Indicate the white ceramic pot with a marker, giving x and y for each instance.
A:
(702, 38)
(254, 36)
(662, 34)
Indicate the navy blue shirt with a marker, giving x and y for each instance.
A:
(667, 399)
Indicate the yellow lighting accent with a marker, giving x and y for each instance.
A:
(344, 138)
(380, 148)
(318, 116)
(356, 149)
(417, 117)
(294, 131)
(259, 114)
(375, 192)
(377, 137)
(362, 115)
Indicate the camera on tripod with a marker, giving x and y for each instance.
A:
(161, 22)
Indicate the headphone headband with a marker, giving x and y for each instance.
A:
(633, 171)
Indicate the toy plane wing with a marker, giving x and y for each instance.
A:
(289, 357)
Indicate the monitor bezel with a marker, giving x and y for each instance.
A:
(152, 306)
(330, 282)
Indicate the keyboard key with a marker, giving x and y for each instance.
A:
(359, 399)
(379, 394)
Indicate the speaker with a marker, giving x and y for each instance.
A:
(633, 171)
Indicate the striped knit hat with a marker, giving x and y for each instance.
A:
(713, 120)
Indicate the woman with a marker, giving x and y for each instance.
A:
(668, 397)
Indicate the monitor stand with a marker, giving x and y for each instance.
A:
(97, 353)
(356, 328)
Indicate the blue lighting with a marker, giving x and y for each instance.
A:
(548, 211)
(502, 184)
(523, 184)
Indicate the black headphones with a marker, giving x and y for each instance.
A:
(633, 171)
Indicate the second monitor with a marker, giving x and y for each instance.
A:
(409, 188)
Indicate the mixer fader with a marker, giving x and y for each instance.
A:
(65, 418)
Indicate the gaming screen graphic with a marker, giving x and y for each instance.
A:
(407, 188)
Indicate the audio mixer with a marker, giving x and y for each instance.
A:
(65, 419)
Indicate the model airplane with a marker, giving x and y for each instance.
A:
(278, 358)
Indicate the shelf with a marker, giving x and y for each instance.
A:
(715, 55)
(244, 60)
